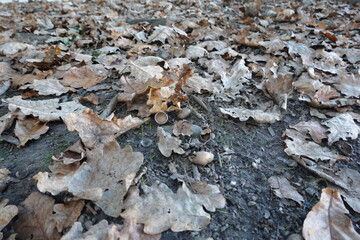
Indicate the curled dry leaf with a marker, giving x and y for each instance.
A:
(35, 220)
(183, 128)
(168, 144)
(159, 209)
(6, 213)
(244, 114)
(50, 86)
(28, 129)
(283, 189)
(313, 128)
(342, 127)
(93, 130)
(104, 178)
(46, 110)
(298, 146)
(84, 77)
(328, 220)
(74, 153)
(4, 179)
(161, 33)
(66, 214)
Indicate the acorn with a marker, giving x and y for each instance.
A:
(183, 113)
(161, 118)
(202, 158)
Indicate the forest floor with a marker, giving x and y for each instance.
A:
(272, 89)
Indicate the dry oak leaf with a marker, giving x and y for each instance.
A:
(28, 129)
(168, 144)
(342, 127)
(50, 86)
(94, 131)
(144, 69)
(66, 214)
(349, 85)
(161, 33)
(84, 77)
(196, 84)
(6, 213)
(104, 178)
(105, 231)
(313, 128)
(244, 114)
(159, 209)
(328, 220)
(298, 146)
(283, 189)
(35, 219)
(46, 110)
(205, 194)
(323, 95)
(11, 48)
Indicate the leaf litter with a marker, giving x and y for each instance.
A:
(253, 62)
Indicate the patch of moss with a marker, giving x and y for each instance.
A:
(58, 149)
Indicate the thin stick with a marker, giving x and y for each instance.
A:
(110, 107)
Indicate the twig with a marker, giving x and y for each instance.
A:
(110, 107)
(201, 103)
(137, 179)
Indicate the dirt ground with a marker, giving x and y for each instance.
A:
(255, 153)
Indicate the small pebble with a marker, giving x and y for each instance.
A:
(295, 236)
(266, 214)
(251, 203)
(146, 142)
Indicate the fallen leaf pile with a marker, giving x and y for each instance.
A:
(250, 61)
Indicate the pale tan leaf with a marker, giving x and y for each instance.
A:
(205, 194)
(195, 52)
(159, 209)
(313, 128)
(28, 129)
(161, 33)
(328, 220)
(298, 146)
(11, 48)
(84, 77)
(349, 85)
(142, 73)
(35, 218)
(342, 127)
(46, 110)
(66, 214)
(104, 178)
(94, 130)
(244, 114)
(6, 213)
(273, 46)
(168, 144)
(197, 84)
(283, 189)
(50, 86)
